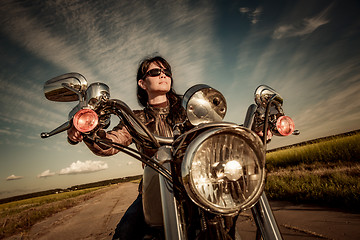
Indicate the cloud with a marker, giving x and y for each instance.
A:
(45, 174)
(334, 112)
(255, 15)
(319, 82)
(7, 131)
(104, 42)
(84, 167)
(304, 27)
(244, 9)
(28, 106)
(13, 177)
(252, 14)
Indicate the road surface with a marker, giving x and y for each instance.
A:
(97, 219)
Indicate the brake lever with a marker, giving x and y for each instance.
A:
(65, 126)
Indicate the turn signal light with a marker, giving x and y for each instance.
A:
(285, 125)
(85, 120)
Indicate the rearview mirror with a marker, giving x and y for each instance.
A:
(264, 93)
(65, 88)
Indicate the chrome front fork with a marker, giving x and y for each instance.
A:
(171, 215)
(265, 220)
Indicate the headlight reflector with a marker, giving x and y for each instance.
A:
(223, 169)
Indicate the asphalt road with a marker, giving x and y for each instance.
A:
(97, 219)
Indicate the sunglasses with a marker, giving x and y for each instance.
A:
(157, 71)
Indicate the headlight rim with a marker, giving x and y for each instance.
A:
(254, 142)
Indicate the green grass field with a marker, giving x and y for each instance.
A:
(20, 216)
(326, 173)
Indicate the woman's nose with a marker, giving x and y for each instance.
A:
(162, 74)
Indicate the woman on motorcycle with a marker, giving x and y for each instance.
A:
(162, 110)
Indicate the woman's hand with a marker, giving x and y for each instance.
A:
(268, 136)
(74, 136)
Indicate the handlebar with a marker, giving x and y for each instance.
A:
(136, 127)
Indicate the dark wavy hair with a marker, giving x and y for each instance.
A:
(176, 111)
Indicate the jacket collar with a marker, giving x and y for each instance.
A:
(155, 112)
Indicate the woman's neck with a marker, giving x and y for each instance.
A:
(160, 105)
(158, 100)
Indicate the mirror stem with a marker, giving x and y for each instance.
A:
(81, 98)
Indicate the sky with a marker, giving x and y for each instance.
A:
(307, 50)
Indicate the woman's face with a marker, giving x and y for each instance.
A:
(156, 85)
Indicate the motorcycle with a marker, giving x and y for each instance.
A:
(198, 181)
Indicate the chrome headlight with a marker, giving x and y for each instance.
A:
(223, 169)
(204, 104)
